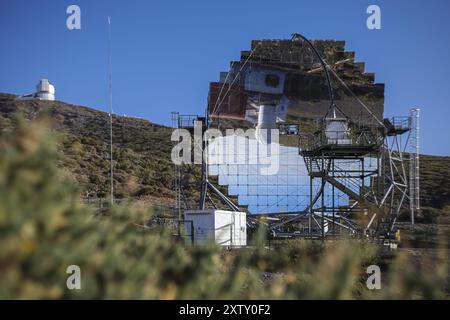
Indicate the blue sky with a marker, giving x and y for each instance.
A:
(165, 53)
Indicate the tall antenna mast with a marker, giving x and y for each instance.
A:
(414, 171)
(110, 113)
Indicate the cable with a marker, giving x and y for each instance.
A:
(110, 111)
(356, 97)
(234, 80)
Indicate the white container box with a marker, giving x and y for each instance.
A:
(225, 228)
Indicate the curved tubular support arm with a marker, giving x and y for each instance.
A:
(324, 66)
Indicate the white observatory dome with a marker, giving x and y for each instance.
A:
(45, 90)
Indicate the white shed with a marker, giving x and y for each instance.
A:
(225, 228)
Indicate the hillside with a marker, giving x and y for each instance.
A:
(142, 153)
(141, 148)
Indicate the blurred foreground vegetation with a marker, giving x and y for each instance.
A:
(44, 228)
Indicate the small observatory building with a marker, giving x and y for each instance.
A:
(44, 91)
